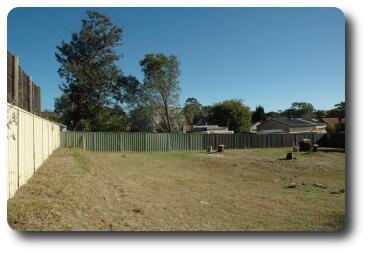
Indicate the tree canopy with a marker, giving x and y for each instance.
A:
(259, 115)
(90, 76)
(300, 109)
(233, 114)
(160, 90)
(192, 109)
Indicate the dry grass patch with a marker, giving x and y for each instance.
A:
(235, 190)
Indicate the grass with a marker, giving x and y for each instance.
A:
(233, 191)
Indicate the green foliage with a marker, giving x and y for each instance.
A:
(331, 129)
(90, 76)
(160, 90)
(115, 120)
(233, 114)
(340, 127)
(338, 111)
(192, 108)
(321, 114)
(259, 115)
(51, 116)
(107, 119)
(272, 114)
(300, 109)
(140, 122)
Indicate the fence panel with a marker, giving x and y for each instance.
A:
(12, 137)
(288, 140)
(38, 139)
(31, 140)
(25, 135)
(114, 142)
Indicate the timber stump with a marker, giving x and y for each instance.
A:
(220, 148)
(289, 156)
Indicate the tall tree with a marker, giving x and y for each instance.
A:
(338, 111)
(259, 115)
(233, 114)
(192, 108)
(300, 109)
(89, 72)
(272, 114)
(321, 113)
(161, 89)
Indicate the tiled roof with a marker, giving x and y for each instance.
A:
(331, 120)
(295, 122)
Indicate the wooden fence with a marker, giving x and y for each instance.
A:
(21, 91)
(31, 140)
(115, 141)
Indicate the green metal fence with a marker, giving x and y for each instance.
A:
(116, 141)
(128, 141)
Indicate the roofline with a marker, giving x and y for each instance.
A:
(295, 125)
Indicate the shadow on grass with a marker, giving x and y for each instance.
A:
(331, 150)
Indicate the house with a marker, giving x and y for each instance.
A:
(292, 125)
(208, 129)
(331, 121)
(254, 126)
(61, 126)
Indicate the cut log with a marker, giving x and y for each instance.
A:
(305, 145)
(220, 148)
(289, 156)
(209, 149)
(315, 148)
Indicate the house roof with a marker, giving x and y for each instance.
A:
(209, 127)
(330, 120)
(299, 122)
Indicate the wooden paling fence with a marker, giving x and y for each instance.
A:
(31, 140)
(21, 91)
(115, 141)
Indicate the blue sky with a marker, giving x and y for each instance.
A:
(265, 56)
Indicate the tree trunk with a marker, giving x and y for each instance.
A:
(167, 118)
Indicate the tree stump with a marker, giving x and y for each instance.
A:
(295, 148)
(209, 149)
(220, 148)
(315, 148)
(305, 145)
(289, 156)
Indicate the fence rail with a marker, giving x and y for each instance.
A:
(31, 140)
(115, 141)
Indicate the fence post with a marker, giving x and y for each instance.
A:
(295, 141)
(16, 80)
(30, 94)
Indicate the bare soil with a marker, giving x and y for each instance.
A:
(238, 190)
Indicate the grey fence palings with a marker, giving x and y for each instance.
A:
(23, 94)
(125, 141)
